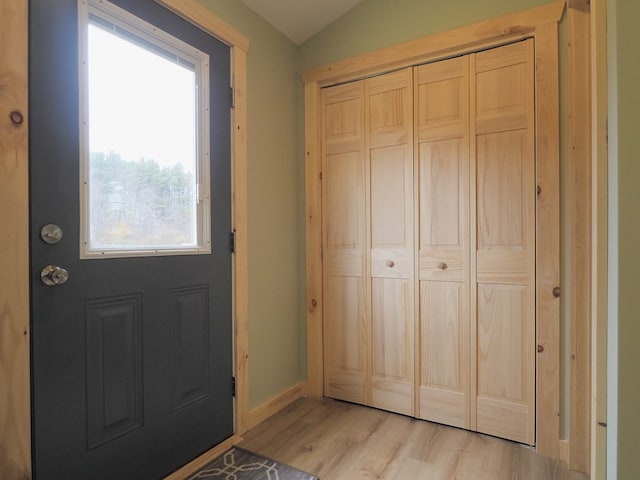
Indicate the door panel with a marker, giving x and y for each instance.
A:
(444, 376)
(442, 119)
(132, 356)
(389, 119)
(500, 159)
(391, 214)
(505, 244)
(392, 347)
(345, 328)
(114, 368)
(443, 167)
(189, 347)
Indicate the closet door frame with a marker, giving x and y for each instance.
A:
(541, 24)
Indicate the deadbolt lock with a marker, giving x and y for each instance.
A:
(51, 233)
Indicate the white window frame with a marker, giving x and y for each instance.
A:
(147, 32)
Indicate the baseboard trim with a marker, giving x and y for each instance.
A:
(271, 407)
(563, 450)
(196, 464)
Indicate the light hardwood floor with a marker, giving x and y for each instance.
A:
(342, 441)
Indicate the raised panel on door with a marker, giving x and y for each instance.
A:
(345, 310)
(114, 367)
(345, 338)
(188, 307)
(444, 341)
(504, 261)
(442, 147)
(503, 372)
(389, 120)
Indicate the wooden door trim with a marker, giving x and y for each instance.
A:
(15, 412)
(579, 232)
(471, 38)
(539, 23)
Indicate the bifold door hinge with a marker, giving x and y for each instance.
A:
(232, 97)
(233, 386)
(232, 241)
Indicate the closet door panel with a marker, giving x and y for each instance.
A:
(442, 146)
(345, 286)
(344, 214)
(502, 368)
(342, 122)
(443, 168)
(392, 327)
(504, 265)
(389, 120)
(391, 215)
(345, 333)
(443, 378)
(505, 231)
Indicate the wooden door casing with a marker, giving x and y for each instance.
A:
(539, 24)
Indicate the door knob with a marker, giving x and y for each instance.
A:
(52, 275)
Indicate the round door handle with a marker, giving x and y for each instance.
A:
(391, 263)
(53, 275)
(442, 266)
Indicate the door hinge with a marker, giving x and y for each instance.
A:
(232, 241)
(232, 97)
(233, 386)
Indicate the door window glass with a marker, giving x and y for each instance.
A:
(145, 142)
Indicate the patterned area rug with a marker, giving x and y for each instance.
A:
(239, 464)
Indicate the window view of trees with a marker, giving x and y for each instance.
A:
(140, 203)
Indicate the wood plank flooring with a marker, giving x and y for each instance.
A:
(342, 441)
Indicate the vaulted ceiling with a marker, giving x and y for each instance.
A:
(300, 19)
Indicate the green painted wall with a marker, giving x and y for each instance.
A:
(275, 222)
(627, 71)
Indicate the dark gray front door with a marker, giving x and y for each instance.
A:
(131, 357)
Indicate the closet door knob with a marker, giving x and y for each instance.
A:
(390, 263)
(442, 266)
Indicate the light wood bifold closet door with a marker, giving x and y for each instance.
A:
(428, 195)
(368, 266)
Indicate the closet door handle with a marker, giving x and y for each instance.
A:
(390, 263)
(442, 266)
